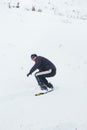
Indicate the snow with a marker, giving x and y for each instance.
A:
(61, 39)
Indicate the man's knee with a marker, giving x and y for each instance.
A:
(37, 77)
(35, 74)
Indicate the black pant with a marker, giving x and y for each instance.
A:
(42, 75)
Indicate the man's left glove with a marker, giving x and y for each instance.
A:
(28, 74)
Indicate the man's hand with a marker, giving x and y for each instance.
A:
(28, 74)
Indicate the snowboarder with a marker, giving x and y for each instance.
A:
(46, 69)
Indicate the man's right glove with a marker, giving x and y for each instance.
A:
(28, 74)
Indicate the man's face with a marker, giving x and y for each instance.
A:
(34, 58)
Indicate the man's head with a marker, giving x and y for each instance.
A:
(33, 57)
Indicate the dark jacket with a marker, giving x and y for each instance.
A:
(42, 64)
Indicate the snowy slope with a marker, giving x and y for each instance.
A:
(63, 41)
(76, 9)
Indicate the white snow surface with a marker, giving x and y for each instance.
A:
(61, 39)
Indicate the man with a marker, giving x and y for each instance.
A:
(46, 69)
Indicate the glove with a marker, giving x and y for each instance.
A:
(28, 74)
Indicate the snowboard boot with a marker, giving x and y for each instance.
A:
(43, 87)
(49, 85)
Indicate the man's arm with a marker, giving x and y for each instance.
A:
(38, 62)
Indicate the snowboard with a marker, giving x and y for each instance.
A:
(42, 93)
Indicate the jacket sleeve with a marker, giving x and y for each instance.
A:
(37, 64)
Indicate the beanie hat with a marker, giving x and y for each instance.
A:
(33, 55)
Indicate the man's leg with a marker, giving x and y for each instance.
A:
(45, 82)
(41, 81)
(41, 78)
